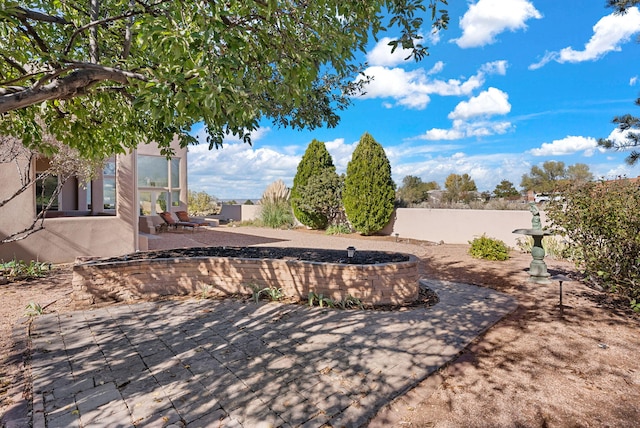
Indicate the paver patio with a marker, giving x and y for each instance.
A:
(203, 363)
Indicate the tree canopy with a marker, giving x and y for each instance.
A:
(459, 188)
(627, 123)
(553, 176)
(505, 189)
(107, 75)
(414, 190)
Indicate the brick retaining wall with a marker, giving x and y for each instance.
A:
(373, 284)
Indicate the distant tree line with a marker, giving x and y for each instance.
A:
(551, 177)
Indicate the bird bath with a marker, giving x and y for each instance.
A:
(537, 269)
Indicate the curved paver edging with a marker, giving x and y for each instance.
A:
(96, 281)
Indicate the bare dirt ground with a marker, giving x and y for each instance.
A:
(535, 368)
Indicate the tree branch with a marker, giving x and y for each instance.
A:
(29, 31)
(68, 86)
(38, 16)
(95, 23)
(13, 64)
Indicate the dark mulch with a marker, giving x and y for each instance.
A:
(306, 254)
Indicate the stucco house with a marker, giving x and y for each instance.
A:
(104, 218)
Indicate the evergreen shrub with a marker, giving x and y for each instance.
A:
(489, 249)
(369, 191)
(315, 160)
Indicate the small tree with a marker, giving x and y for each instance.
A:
(369, 191)
(459, 188)
(414, 190)
(315, 161)
(505, 189)
(201, 203)
(545, 179)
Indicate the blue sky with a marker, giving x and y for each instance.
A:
(510, 84)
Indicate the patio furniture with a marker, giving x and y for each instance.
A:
(172, 223)
(184, 216)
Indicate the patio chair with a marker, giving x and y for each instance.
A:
(172, 223)
(184, 216)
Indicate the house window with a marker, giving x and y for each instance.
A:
(73, 198)
(46, 186)
(158, 184)
(109, 185)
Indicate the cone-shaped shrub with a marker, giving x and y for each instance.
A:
(315, 160)
(369, 191)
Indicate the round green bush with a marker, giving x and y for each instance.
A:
(315, 160)
(488, 249)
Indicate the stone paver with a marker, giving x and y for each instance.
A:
(236, 364)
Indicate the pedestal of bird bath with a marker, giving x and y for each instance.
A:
(537, 269)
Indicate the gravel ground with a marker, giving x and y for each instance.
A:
(535, 368)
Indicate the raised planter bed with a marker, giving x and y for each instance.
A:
(374, 277)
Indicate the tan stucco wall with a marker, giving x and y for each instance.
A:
(458, 226)
(238, 212)
(66, 238)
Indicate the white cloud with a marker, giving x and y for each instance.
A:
(412, 89)
(620, 138)
(567, 146)
(484, 128)
(404, 86)
(633, 81)
(471, 118)
(487, 18)
(433, 38)
(341, 153)
(238, 170)
(609, 33)
(381, 54)
(437, 68)
(495, 67)
(488, 103)
(437, 134)
(463, 129)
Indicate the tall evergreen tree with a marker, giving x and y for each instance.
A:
(316, 160)
(369, 191)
